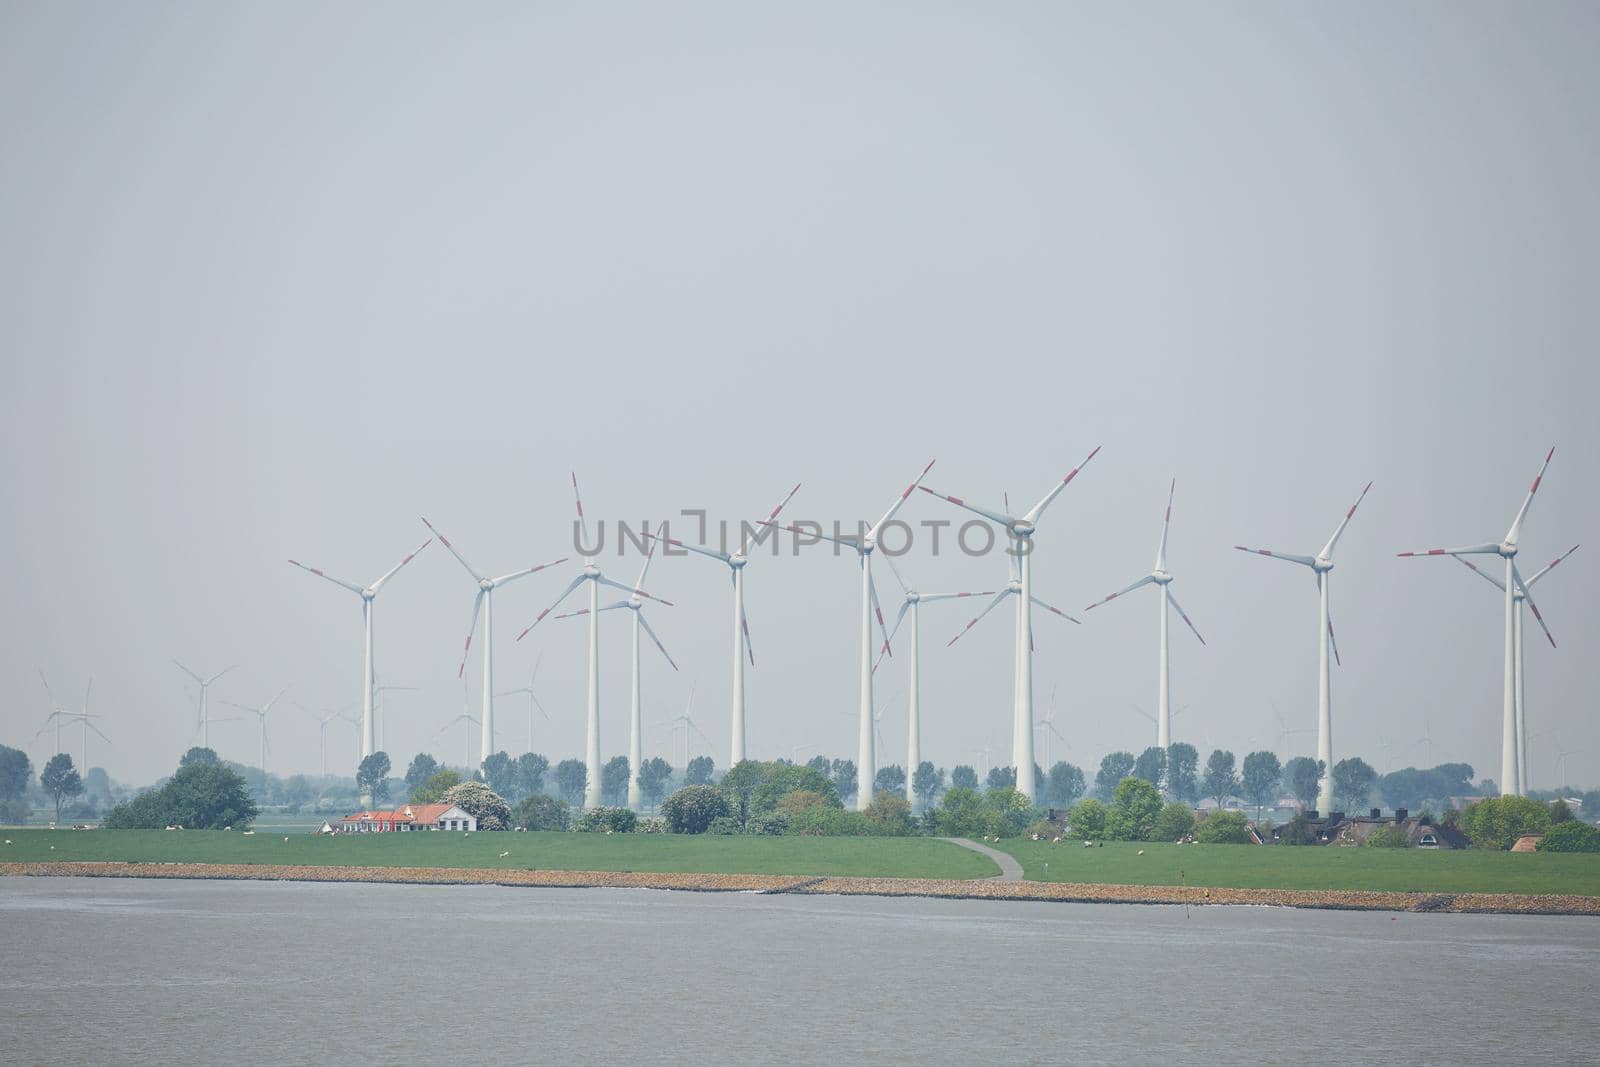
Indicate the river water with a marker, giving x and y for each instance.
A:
(135, 972)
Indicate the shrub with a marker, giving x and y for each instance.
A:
(1088, 818)
(833, 822)
(541, 812)
(891, 813)
(1223, 828)
(437, 785)
(201, 796)
(770, 823)
(1134, 808)
(1010, 811)
(1559, 812)
(1043, 830)
(962, 814)
(798, 800)
(723, 826)
(1390, 836)
(1175, 822)
(691, 809)
(481, 802)
(607, 820)
(1570, 836)
(1297, 831)
(652, 826)
(1498, 821)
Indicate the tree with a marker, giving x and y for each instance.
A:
(1001, 778)
(500, 772)
(699, 771)
(201, 796)
(1113, 768)
(16, 771)
(691, 809)
(820, 764)
(1151, 765)
(927, 783)
(372, 777)
(1220, 781)
(423, 767)
(1134, 809)
(1088, 818)
(1064, 785)
(1301, 775)
(962, 814)
(890, 812)
(1262, 773)
(845, 783)
(1223, 828)
(1175, 822)
(890, 779)
(481, 802)
(572, 778)
(654, 774)
(1182, 759)
(531, 768)
(1570, 836)
(60, 780)
(1352, 782)
(438, 784)
(541, 812)
(1498, 821)
(198, 755)
(614, 781)
(964, 777)
(297, 792)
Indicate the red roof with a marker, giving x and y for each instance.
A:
(416, 814)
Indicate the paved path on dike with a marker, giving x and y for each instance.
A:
(1010, 869)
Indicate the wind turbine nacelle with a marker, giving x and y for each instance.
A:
(1322, 566)
(1022, 528)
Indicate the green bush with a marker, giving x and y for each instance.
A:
(1043, 830)
(833, 822)
(1570, 836)
(1175, 822)
(539, 811)
(1392, 835)
(1134, 807)
(1224, 828)
(691, 809)
(607, 820)
(1010, 811)
(724, 826)
(201, 796)
(890, 813)
(770, 823)
(481, 802)
(1498, 821)
(962, 814)
(1088, 819)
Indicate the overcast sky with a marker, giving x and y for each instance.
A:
(275, 281)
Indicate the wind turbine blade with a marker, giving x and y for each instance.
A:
(1001, 595)
(905, 606)
(850, 541)
(649, 630)
(445, 541)
(649, 554)
(1517, 577)
(993, 516)
(887, 515)
(926, 597)
(274, 700)
(1522, 512)
(466, 646)
(1327, 549)
(1054, 610)
(1304, 561)
(1184, 616)
(872, 590)
(1334, 642)
(750, 650)
(904, 588)
(578, 499)
(675, 543)
(97, 730)
(1146, 580)
(391, 572)
(1485, 575)
(1547, 567)
(584, 611)
(539, 705)
(87, 689)
(180, 666)
(214, 677)
(1038, 509)
(1469, 550)
(579, 580)
(514, 575)
(633, 590)
(353, 587)
(744, 537)
(1161, 552)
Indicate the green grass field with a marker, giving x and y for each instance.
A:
(862, 857)
(1254, 867)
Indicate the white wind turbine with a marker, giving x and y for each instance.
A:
(910, 607)
(1048, 724)
(864, 544)
(596, 578)
(736, 564)
(205, 684)
(1506, 549)
(380, 706)
(326, 718)
(1322, 566)
(63, 716)
(367, 594)
(635, 606)
(261, 721)
(468, 721)
(1155, 722)
(1160, 577)
(533, 699)
(484, 602)
(1020, 529)
(1520, 597)
(687, 723)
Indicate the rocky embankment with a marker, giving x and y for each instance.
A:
(1480, 903)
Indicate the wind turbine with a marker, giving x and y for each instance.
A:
(687, 722)
(484, 601)
(1021, 529)
(910, 607)
(380, 711)
(736, 564)
(1160, 577)
(1322, 566)
(367, 594)
(1520, 597)
(60, 715)
(205, 684)
(261, 720)
(593, 575)
(468, 721)
(1048, 724)
(864, 544)
(634, 604)
(328, 717)
(1155, 722)
(533, 699)
(1506, 549)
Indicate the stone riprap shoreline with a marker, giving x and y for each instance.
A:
(1068, 892)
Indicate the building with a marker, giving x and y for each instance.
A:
(411, 817)
(1340, 829)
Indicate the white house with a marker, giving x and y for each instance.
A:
(409, 818)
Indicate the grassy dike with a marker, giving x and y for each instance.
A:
(851, 857)
(1309, 868)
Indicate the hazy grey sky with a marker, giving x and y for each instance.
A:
(276, 280)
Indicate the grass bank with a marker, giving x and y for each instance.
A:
(855, 857)
(1310, 868)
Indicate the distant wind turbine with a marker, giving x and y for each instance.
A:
(533, 699)
(60, 716)
(261, 721)
(468, 721)
(205, 684)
